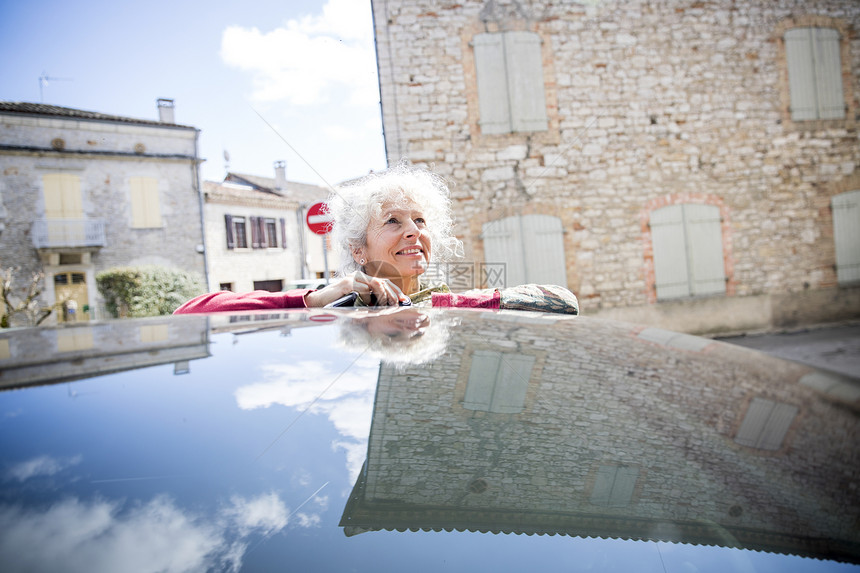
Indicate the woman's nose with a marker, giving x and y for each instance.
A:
(410, 229)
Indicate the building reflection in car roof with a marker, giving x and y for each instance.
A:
(600, 429)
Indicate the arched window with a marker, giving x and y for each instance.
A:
(688, 251)
(531, 248)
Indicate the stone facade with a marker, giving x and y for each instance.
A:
(649, 103)
(103, 153)
(667, 410)
(286, 204)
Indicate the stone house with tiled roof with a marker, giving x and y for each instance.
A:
(256, 234)
(689, 164)
(82, 192)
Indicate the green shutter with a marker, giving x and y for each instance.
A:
(498, 382)
(671, 273)
(828, 73)
(525, 81)
(705, 249)
(765, 424)
(543, 250)
(614, 486)
(801, 74)
(503, 244)
(493, 97)
(846, 235)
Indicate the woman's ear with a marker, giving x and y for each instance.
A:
(358, 255)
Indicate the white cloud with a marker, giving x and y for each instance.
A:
(308, 60)
(266, 513)
(42, 466)
(348, 402)
(99, 535)
(308, 520)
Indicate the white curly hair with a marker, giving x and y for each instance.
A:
(354, 205)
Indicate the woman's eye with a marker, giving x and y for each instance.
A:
(392, 220)
(419, 221)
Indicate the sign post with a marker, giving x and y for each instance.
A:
(319, 221)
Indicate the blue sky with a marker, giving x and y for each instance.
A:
(307, 66)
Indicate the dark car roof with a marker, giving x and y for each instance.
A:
(420, 439)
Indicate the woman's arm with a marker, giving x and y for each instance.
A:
(226, 301)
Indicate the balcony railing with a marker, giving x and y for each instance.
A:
(49, 233)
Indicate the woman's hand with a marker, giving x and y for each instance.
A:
(385, 292)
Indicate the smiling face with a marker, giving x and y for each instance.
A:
(398, 244)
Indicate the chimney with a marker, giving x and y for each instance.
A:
(165, 111)
(280, 176)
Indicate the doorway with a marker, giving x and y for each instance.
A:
(72, 286)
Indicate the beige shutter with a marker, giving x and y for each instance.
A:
(846, 235)
(62, 193)
(145, 204)
(491, 71)
(525, 81)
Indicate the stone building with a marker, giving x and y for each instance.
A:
(548, 425)
(84, 350)
(256, 234)
(692, 164)
(82, 192)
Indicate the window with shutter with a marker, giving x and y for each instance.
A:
(846, 235)
(688, 251)
(283, 233)
(62, 193)
(530, 246)
(498, 381)
(255, 232)
(271, 239)
(814, 73)
(509, 70)
(228, 223)
(765, 424)
(145, 206)
(614, 486)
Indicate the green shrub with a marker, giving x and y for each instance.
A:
(146, 291)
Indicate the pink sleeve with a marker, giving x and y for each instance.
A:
(226, 301)
(485, 299)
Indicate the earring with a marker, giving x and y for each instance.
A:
(361, 262)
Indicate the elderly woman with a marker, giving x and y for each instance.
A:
(388, 227)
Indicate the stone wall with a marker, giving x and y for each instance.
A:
(650, 103)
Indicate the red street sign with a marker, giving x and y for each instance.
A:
(318, 219)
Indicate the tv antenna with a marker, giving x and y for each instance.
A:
(44, 79)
